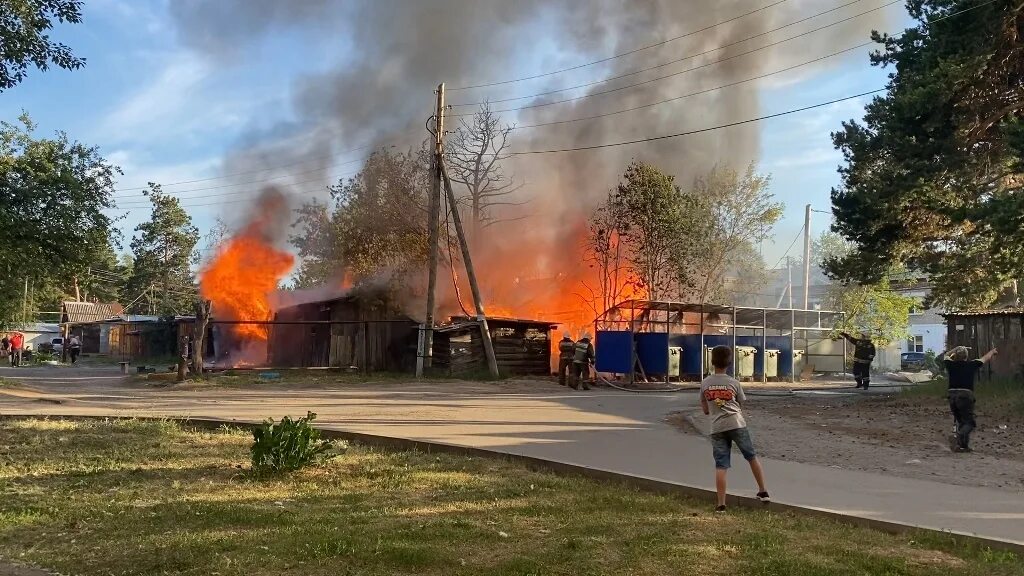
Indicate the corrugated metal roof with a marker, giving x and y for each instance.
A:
(85, 312)
(1002, 312)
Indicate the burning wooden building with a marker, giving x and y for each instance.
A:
(521, 347)
(348, 332)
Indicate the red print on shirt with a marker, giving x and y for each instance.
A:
(719, 394)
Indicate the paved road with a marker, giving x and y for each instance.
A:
(610, 430)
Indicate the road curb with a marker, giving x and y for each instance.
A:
(632, 480)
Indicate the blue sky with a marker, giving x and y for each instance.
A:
(165, 113)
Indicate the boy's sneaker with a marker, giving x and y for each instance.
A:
(763, 497)
(720, 508)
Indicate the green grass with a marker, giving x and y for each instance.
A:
(133, 497)
(1005, 393)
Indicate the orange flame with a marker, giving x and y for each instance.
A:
(244, 273)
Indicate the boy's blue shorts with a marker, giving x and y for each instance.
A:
(721, 446)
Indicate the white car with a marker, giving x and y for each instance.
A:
(58, 345)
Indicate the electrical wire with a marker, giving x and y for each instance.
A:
(698, 131)
(131, 197)
(269, 168)
(563, 101)
(698, 54)
(451, 255)
(705, 91)
(620, 55)
(783, 257)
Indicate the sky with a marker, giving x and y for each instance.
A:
(164, 112)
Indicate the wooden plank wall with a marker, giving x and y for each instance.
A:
(982, 333)
(518, 350)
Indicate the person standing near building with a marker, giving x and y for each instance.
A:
(962, 375)
(566, 353)
(863, 355)
(17, 345)
(74, 348)
(582, 359)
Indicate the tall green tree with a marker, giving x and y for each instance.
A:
(52, 195)
(651, 213)
(377, 222)
(876, 308)
(24, 38)
(933, 177)
(737, 211)
(163, 250)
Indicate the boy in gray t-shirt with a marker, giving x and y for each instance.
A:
(720, 398)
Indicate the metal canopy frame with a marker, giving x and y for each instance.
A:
(640, 316)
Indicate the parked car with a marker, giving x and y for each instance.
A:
(912, 361)
(58, 345)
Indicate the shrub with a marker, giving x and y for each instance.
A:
(287, 446)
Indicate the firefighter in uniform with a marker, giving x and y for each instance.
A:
(582, 359)
(566, 353)
(863, 354)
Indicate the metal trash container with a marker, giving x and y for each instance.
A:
(799, 359)
(771, 364)
(675, 361)
(744, 361)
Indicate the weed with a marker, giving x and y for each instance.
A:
(287, 446)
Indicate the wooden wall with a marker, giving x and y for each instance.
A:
(520, 349)
(982, 333)
(366, 337)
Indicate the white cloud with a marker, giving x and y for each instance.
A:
(165, 104)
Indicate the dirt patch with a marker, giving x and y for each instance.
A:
(889, 434)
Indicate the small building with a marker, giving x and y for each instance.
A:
(86, 319)
(36, 334)
(982, 331)
(521, 347)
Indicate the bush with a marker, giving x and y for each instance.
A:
(287, 446)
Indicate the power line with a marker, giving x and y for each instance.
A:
(709, 51)
(673, 74)
(249, 193)
(272, 178)
(698, 131)
(642, 106)
(269, 168)
(235, 201)
(620, 55)
(793, 243)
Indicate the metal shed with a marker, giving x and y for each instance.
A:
(644, 334)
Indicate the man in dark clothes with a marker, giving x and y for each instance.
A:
(566, 352)
(581, 362)
(962, 374)
(863, 354)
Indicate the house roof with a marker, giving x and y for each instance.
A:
(86, 312)
(1002, 312)
(462, 322)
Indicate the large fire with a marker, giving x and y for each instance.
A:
(535, 278)
(246, 271)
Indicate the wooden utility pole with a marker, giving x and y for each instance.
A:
(203, 308)
(24, 303)
(425, 343)
(481, 317)
(807, 256)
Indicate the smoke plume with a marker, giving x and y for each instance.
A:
(389, 55)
